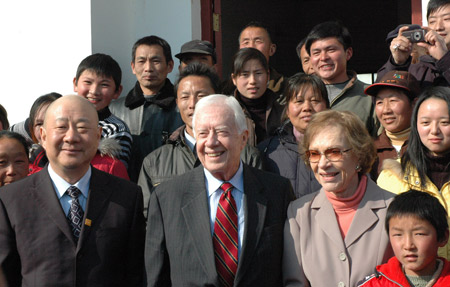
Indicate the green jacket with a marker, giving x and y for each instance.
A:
(353, 99)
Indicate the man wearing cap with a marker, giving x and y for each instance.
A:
(197, 51)
(395, 95)
(432, 69)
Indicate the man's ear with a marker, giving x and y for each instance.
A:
(132, 67)
(273, 49)
(349, 53)
(43, 136)
(444, 241)
(118, 92)
(75, 84)
(244, 136)
(170, 66)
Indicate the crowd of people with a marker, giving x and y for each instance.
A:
(317, 179)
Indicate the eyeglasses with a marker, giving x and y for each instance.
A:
(331, 154)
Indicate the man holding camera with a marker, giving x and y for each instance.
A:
(432, 69)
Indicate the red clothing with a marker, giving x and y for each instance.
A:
(104, 163)
(110, 165)
(390, 274)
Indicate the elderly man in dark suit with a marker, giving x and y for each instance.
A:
(220, 224)
(70, 224)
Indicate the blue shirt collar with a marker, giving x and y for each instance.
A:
(61, 185)
(213, 184)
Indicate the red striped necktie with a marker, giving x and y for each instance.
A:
(225, 238)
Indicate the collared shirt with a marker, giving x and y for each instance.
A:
(61, 187)
(190, 141)
(214, 192)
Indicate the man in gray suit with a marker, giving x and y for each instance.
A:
(183, 244)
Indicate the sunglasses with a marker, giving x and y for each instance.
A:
(331, 154)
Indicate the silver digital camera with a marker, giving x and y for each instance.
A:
(415, 36)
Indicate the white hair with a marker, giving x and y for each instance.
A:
(222, 100)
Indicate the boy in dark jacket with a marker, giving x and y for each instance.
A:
(417, 226)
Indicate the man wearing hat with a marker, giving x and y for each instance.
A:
(432, 68)
(395, 95)
(197, 51)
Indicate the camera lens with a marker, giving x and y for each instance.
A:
(417, 36)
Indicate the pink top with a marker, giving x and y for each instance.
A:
(345, 208)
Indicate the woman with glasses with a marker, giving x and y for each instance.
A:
(425, 165)
(336, 236)
(305, 95)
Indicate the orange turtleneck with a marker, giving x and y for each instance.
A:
(345, 208)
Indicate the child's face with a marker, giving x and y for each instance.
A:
(99, 90)
(415, 244)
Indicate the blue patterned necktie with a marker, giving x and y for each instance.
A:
(76, 213)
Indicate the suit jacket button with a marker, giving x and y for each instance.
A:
(342, 256)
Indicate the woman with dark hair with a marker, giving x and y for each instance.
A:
(305, 95)
(336, 236)
(4, 123)
(13, 157)
(425, 165)
(250, 75)
(38, 159)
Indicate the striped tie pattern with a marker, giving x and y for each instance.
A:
(76, 213)
(225, 238)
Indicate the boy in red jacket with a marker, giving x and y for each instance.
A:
(417, 226)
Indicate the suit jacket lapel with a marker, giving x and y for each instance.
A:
(97, 198)
(256, 206)
(196, 216)
(45, 195)
(365, 216)
(326, 219)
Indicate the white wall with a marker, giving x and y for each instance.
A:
(44, 41)
(42, 44)
(424, 12)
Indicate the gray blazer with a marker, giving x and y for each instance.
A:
(179, 248)
(37, 245)
(315, 253)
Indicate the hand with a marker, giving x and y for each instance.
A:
(435, 44)
(400, 47)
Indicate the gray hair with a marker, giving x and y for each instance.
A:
(221, 100)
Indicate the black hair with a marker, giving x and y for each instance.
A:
(46, 99)
(201, 70)
(102, 65)
(4, 118)
(150, 41)
(299, 81)
(18, 137)
(435, 5)
(298, 49)
(258, 24)
(330, 29)
(244, 55)
(415, 155)
(422, 205)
